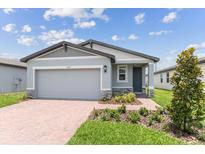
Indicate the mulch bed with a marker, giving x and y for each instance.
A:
(112, 101)
(170, 127)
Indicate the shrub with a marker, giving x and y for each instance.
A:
(122, 109)
(160, 110)
(143, 111)
(109, 114)
(96, 113)
(130, 97)
(105, 117)
(150, 121)
(119, 99)
(125, 98)
(188, 98)
(166, 127)
(134, 117)
(201, 137)
(114, 114)
(156, 117)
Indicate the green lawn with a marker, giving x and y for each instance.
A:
(11, 98)
(99, 132)
(162, 97)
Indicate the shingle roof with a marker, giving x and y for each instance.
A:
(90, 41)
(201, 60)
(64, 43)
(12, 62)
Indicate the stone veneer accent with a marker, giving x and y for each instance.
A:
(107, 94)
(121, 90)
(31, 93)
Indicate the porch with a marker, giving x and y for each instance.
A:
(133, 77)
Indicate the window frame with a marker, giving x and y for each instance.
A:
(161, 77)
(168, 77)
(118, 73)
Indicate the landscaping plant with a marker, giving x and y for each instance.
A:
(122, 109)
(143, 111)
(134, 117)
(188, 103)
(125, 98)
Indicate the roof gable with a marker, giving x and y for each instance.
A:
(66, 45)
(119, 48)
(70, 52)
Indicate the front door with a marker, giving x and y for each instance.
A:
(137, 79)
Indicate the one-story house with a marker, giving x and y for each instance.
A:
(12, 76)
(90, 70)
(162, 77)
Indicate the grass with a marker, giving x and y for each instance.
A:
(111, 133)
(162, 97)
(11, 98)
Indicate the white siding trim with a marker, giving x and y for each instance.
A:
(69, 67)
(122, 87)
(63, 47)
(126, 75)
(63, 58)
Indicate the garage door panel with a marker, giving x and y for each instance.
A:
(69, 84)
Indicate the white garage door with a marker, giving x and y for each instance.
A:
(68, 84)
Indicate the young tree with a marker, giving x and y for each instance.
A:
(188, 103)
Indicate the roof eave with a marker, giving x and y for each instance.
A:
(60, 44)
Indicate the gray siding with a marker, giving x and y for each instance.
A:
(9, 76)
(69, 53)
(122, 84)
(168, 86)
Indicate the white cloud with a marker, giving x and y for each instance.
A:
(169, 59)
(169, 18)
(133, 37)
(98, 13)
(26, 28)
(161, 32)
(85, 24)
(26, 40)
(116, 38)
(9, 27)
(76, 13)
(139, 19)
(197, 46)
(42, 27)
(54, 36)
(8, 10)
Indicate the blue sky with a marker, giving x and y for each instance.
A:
(159, 32)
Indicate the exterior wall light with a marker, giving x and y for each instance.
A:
(105, 68)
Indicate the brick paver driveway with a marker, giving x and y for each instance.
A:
(42, 121)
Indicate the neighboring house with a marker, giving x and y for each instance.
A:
(89, 70)
(12, 76)
(162, 77)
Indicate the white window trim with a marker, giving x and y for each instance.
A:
(126, 73)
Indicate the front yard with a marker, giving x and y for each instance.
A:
(162, 97)
(102, 132)
(11, 98)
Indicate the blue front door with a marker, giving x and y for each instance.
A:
(137, 79)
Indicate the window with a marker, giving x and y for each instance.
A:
(122, 73)
(167, 77)
(161, 78)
